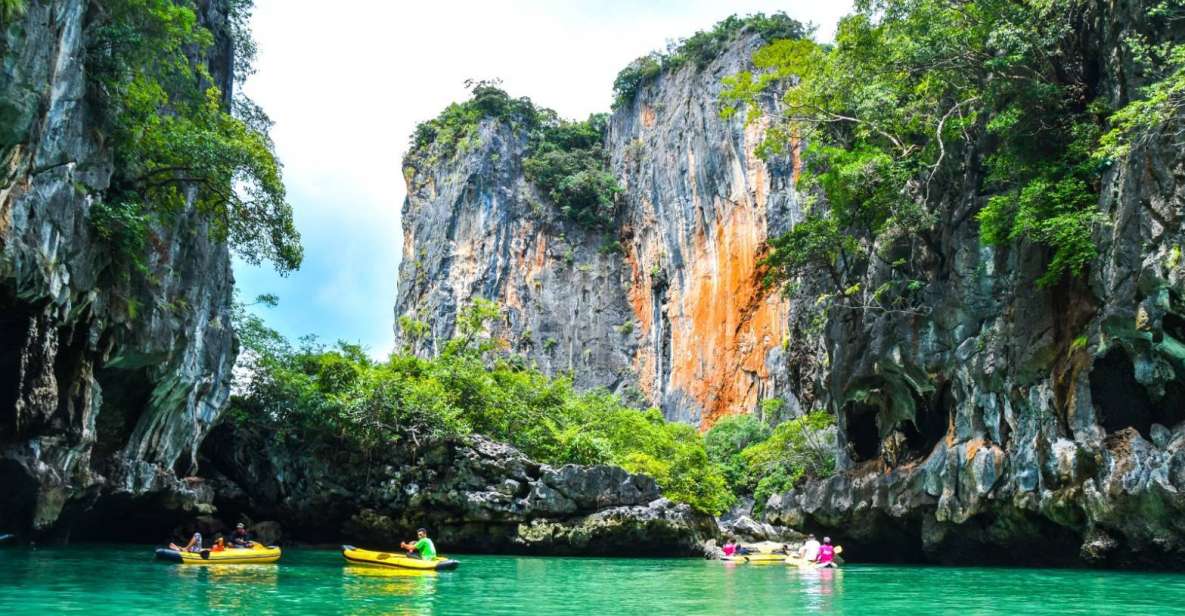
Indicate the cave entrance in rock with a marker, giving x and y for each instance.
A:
(931, 420)
(860, 427)
(1174, 326)
(14, 330)
(1120, 401)
(19, 498)
(126, 394)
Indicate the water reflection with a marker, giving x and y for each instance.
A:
(821, 588)
(231, 588)
(363, 581)
(234, 574)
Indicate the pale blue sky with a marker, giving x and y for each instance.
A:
(347, 82)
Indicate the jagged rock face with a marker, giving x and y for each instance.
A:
(1012, 417)
(474, 495)
(699, 207)
(108, 382)
(680, 316)
(474, 227)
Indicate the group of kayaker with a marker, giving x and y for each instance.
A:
(421, 547)
(819, 553)
(822, 554)
(238, 539)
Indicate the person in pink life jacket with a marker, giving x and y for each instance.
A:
(730, 547)
(826, 552)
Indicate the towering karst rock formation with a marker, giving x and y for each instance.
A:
(1002, 416)
(109, 376)
(1010, 415)
(666, 305)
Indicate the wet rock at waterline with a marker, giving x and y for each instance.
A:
(476, 495)
(110, 375)
(1011, 423)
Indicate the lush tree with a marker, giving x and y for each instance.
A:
(915, 99)
(727, 439)
(566, 160)
(335, 401)
(699, 49)
(759, 461)
(1159, 105)
(178, 139)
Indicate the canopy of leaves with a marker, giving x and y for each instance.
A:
(336, 399)
(173, 134)
(10, 10)
(762, 462)
(915, 97)
(566, 160)
(701, 48)
(1160, 106)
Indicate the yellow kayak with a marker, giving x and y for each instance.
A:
(806, 564)
(396, 559)
(769, 558)
(256, 554)
(756, 558)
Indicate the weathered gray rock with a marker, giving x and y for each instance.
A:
(748, 530)
(108, 379)
(677, 318)
(1009, 415)
(476, 495)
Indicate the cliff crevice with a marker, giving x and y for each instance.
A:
(110, 376)
(665, 305)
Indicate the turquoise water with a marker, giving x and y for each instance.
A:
(125, 580)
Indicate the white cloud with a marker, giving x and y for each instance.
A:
(346, 82)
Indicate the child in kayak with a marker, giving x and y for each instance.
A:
(194, 545)
(730, 547)
(219, 544)
(423, 548)
(826, 553)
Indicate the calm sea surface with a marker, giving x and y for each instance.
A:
(125, 580)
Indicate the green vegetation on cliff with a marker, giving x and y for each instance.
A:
(10, 10)
(179, 139)
(701, 48)
(565, 159)
(335, 398)
(761, 461)
(918, 98)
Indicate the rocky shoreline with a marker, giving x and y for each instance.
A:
(477, 495)
(1002, 416)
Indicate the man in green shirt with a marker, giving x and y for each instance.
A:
(422, 548)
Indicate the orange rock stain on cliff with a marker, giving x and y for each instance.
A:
(724, 322)
(529, 259)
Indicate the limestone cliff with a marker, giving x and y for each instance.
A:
(666, 305)
(109, 379)
(1009, 422)
(998, 415)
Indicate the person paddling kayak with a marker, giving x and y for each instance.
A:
(422, 548)
(826, 553)
(240, 538)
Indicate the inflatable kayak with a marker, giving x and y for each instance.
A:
(257, 554)
(756, 558)
(396, 559)
(805, 564)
